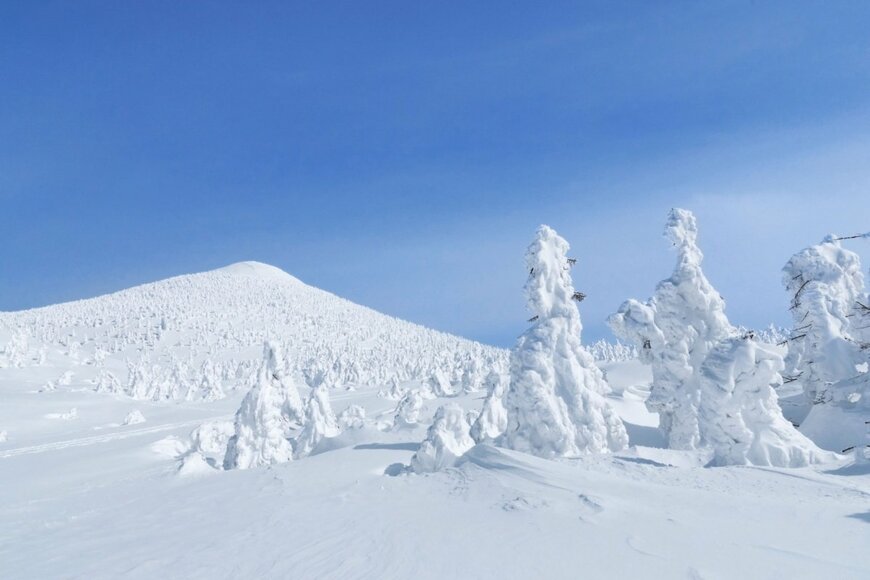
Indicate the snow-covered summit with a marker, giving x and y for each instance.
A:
(258, 270)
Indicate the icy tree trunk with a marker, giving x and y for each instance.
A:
(555, 401)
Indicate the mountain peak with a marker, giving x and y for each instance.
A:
(257, 270)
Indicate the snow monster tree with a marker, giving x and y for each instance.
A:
(674, 331)
(555, 401)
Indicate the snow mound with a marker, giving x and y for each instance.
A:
(134, 417)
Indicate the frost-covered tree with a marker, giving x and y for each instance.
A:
(492, 420)
(320, 422)
(440, 385)
(674, 331)
(263, 419)
(739, 413)
(408, 411)
(108, 383)
(446, 440)
(826, 287)
(829, 347)
(555, 401)
(134, 417)
(353, 417)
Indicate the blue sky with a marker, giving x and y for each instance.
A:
(402, 154)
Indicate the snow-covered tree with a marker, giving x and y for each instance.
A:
(555, 401)
(674, 331)
(263, 419)
(826, 287)
(320, 422)
(108, 383)
(739, 414)
(446, 440)
(829, 347)
(353, 417)
(134, 417)
(408, 410)
(440, 385)
(492, 420)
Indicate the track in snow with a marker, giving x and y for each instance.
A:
(95, 439)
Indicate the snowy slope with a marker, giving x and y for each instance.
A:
(200, 335)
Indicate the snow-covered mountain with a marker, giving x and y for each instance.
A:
(197, 336)
(132, 447)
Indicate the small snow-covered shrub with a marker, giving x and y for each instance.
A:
(354, 417)
(492, 420)
(408, 411)
(134, 417)
(320, 422)
(446, 440)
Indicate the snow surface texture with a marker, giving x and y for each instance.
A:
(93, 498)
(829, 346)
(674, 331)
(555, 402)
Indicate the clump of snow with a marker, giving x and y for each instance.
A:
(555, 401)
(212, 437)
(408, 410)
(739, 414)
(4, 436)
(674, 331)
(172, 446)
(194, 464)
(492, 420)
(263, 419)
(68, 416)
(134, 417)
(320, 423)
(353, 417)
(446, 440)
